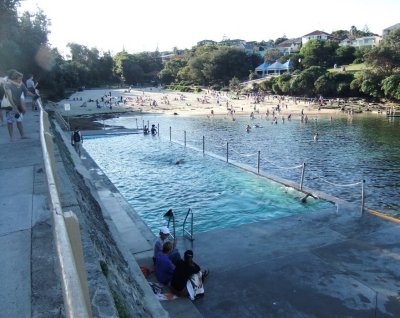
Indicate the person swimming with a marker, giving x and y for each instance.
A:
(248, 128)
(304, 199)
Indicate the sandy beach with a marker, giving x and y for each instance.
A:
(207, 103)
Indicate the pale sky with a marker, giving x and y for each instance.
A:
(145, 25)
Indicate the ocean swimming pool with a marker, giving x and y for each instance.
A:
(350, 149)
(144, 170)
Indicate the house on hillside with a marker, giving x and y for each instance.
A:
(365, 41)
(235, 42)
(386, 31)
(276, 68)
(316, 35)
(289, 46)
(206, 42)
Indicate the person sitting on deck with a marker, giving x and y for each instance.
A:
(164, 268)
(188, 279)
(174, 254)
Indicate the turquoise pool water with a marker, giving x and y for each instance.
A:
(144, 170)
(349, 150)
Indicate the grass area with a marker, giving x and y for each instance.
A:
(349, 68)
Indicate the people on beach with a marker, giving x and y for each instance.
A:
(164, 268)
(13, 89)
(188, 279)
(77, 140)
(174, 254)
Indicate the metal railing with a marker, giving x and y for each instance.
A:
(63, 123)
(298, 186)
(186, 233)
(73, 277)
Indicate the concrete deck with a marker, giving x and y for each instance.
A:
(327, 264)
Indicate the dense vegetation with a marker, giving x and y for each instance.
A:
(24, 46)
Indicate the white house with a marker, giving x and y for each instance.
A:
(206, 42)
(289, 46)
(316, 35)
(365, 41)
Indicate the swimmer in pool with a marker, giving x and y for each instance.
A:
(304, 199)
(179, 161)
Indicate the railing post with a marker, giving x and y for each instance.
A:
(184, 137)
(148, 124)
(203, 146)
(227, 151)
(258, 162)
(362, 197)
(143, 124)
(170, 133)
(302, 176)
(137, 127)
(158, 129)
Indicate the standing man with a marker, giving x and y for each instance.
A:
(77, 140)
(13, 88)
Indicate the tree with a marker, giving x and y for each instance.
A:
(368, 83)
(345, 55)
(385, 59)
(391, 86)
(169, 73)
(340, 35)
(272, 55)
(21, 39)
(318, 53)
(234, 85)
(303, 84)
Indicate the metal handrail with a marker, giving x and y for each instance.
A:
(186, 233)
(62, 121)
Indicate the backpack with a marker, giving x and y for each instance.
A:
(77, 136)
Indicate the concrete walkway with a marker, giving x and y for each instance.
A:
(29, 282)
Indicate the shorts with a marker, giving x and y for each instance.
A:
(10, 117)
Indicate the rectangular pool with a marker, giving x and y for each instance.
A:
(155, 175)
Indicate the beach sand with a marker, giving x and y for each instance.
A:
(83, 108)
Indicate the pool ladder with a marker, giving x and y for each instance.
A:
(186, 233)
